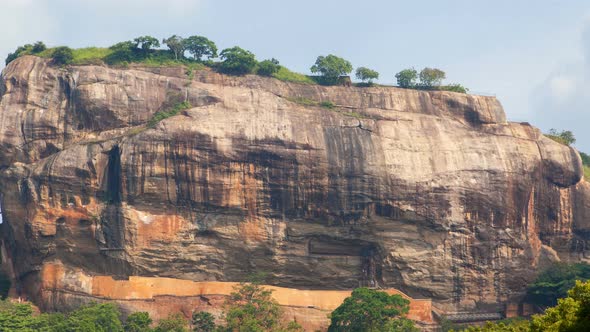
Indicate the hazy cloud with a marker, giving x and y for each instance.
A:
(562, 101)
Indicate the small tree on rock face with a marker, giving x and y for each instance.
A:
(176, 45)
(173, 323)
(407, 78)
(138, 322)
(200, 46)
(371, 310)
(203, 322)
(62, 55)
(146, 43)
(268, 67)
(366, 74)
(237, 61)
(431, 77)
(331, 68)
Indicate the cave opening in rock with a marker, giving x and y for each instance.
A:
(369, 267)
(114, 186)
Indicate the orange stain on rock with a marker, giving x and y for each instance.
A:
(161, 227)
(47, 215)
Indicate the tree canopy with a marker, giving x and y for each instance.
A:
(251, 308)
(200, 46)
(90, 318)
(138, 322)
(176, 44)
(203, 322)
(570, 315)
(146, 43)
(62, 55)
(237, 61)
(366, 74)
(407, 78)
(331, 67)
(173, 323)
(38, 47)
(268, 67)
(371, 310)
(431, 77)
(565, 137)
(554, 282)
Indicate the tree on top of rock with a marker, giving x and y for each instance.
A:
(432, 77)
(200, 46)
(237, 61)
(371, 311)
(366, 74)
(176, 45)
(146, 43)
(331, 67)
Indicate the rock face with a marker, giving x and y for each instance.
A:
(432, 193)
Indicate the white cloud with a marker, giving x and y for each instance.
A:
(562, 88)
(562, 101)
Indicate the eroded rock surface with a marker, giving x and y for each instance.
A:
(431, 193)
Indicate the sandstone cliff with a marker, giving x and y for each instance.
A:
(431, 193)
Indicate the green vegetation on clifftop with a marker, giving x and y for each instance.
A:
(149, 51)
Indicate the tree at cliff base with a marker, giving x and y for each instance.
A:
(251, 308)
(371, 311)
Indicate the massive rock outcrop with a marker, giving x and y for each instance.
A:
(431, 193)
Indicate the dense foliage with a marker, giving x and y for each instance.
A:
(176, 44)
(251, 308)
(565, 137)
(62, 55)
(91, 318)
(519, 325)
(268, 67)
(138, 322)
(173, 323)
(371, 310)
(407, 78)
(586, 165)
(553, 283)
(431, 77)
(330, 68)
(366, 74)
(237, 61)
(453, 88)
(37, 48)
(4, 285)
(203, 322)
(146, 43)
(571, 313)
(200, 47)
(585, 158)
(149, 51)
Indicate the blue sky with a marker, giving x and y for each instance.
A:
(534, 55)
